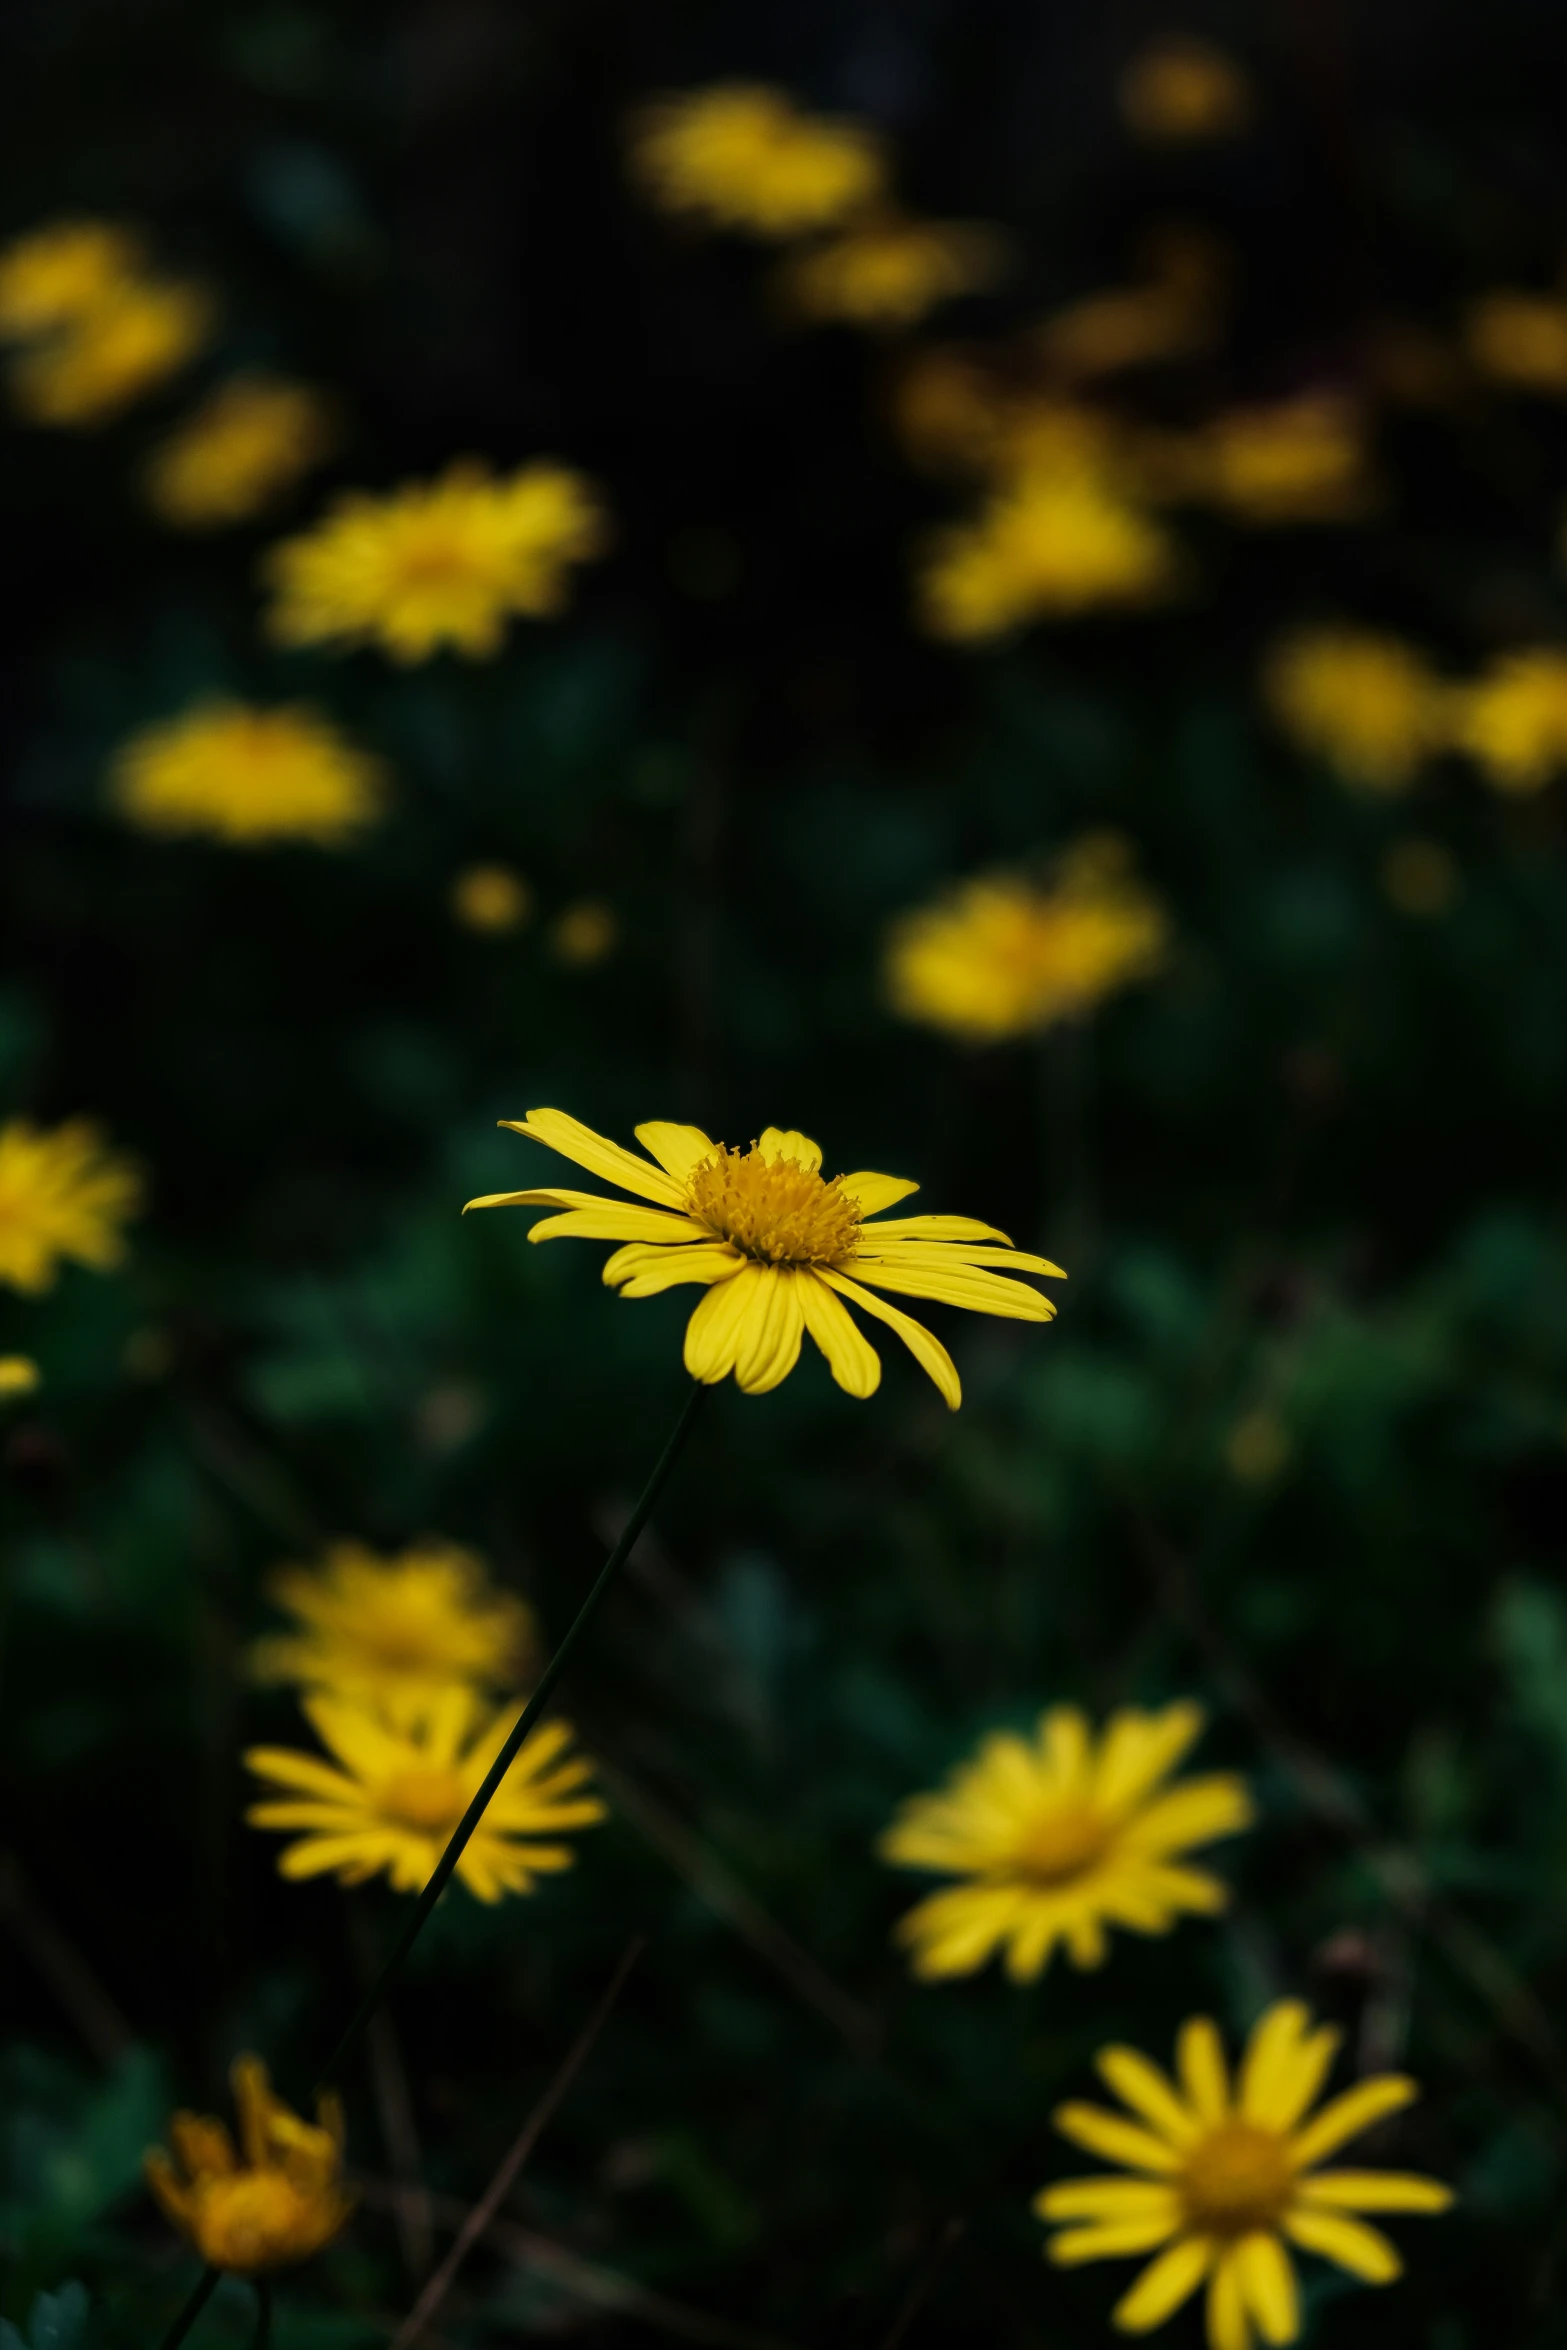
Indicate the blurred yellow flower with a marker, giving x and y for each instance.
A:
(275, 2201)
(1170, 317)
(19, 1375)
(107, 357)
(1301, 460)
(1367, 705)
(584, 934)
(1045, 546)
(947, 410)
(887, 271)
(53, 276)
(1513, 723)
(248, 777)
(394, 1632)
(249, 442)
(436, 563)
(1057, 1838)
(1420, 877)
(774, 1244)
(1223, 2177)
(491, 898)
(62, 1194)
(1520, 339)
(1181, 90)
(741, 155)
(394, 1792)
(1004, 955)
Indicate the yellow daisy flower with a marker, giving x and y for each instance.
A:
(62, 1194)
(491, 898)
(275, 2201)
(1059, 1837)
(583, 934)
(1224, 2176)
(1367, 705)
(53, 276)
(740, 155)
(1005, 956)
(19, 1375)
(1521, 339)
(110, 355)
(248, 777)
(1513, 723)
(247, 443)
(1301, 460)
(778, 1247)
(396, 1632)
(1182, 90)
(888, 271)
(394, 1792)
(436, 563)
(1048, 544)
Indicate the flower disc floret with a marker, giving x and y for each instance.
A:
(773, 1209)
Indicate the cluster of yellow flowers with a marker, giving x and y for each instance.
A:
(94, 327)
(1374, 710)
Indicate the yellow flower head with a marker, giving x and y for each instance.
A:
(1366, 705)
(62, 1194)
(393, 1792)
(54, 276)
(1513, 723)
(777, 1247)
(1058, 1837)
(740, 155)
(1049, 544)
(1006, 956)
(277, 2200)
(1225, 2175)
(887, 271)
(491, 898)
(1521, 339)
(19, 1375)
(248, 777)
(247, 444)
(110, 355)
(395, 1632)
(445, 562)
(1182, 90)
(1302, 460)
(584, 934)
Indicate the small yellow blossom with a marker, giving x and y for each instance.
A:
(396, 1632)
(1521, 339)
(275, 2201)
(437, 563)
(1058, 1837)
(248, 777)
(947, 410)
(777, 1248)
(491, 898)
(19, 1375)
(1366, 704)
(108, 357)
(740, 155)
(1420, 877)
(1513, 723)
(886, 271)
(62, 1194)
(53, 276)
(1224, 2176)
(584, 934)
(1170, 317)
(1045, 547)
(394, 1793)
(1301, 460)
(1182, 90)
(1004, 955)
(247, 444)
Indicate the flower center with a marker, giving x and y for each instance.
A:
(252, 2219)
(434, 563)
(1237, 2179)
(774, 1210)
(1060, 1845)
(428, 1800)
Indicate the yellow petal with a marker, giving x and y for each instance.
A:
(643, 1270)
(1228, 2325)
(602, 1157)
(677, 1148)
(787, 1142)
(875, 1192)
(1140, 1749)
(286, 1768)
(1267, 2279)
(1348, 2115)
(1110, 2242)
(1164, 2284)
(1199, 2055)
(923, 1345)
(1375, 2190)
(713, 1332)
(1195, 1812)
(1348, 2243)
(1115, 2140)
(975, 1292)
(1107, 2199)
(619, 1220)
(1150, 2094)
(769, 1343)
(1271, 2066)
(1065, 1746)
(851, 1358)
(936, 1228)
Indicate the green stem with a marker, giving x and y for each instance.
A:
(201, 2293)
(427, 1900)
(261, 2339)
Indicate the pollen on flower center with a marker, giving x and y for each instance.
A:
(1060, 1845)
(1237, 2179)
(774, 1210)
(430, 1801)
(252, 2219)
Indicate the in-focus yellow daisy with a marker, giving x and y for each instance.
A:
(777, 1247)
(1513, 722)
(1226, 2176)
(1047, 546)
(1004, 955)
(111, 355)
(62, 1195)
(888, 271)
(1368, 705)
(395, 1632)
(741, 155)
(53, 276)
(393, 1793)
(249, 442)
(491, 898)
(1302, 460)
(276, 2200)
(1520, 339)
(1182, 90)
(436, 563)
(1058, 1837)
(248, 777)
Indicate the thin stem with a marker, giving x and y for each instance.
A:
(261, 2339)
(201, 2293)
(427, 1900)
